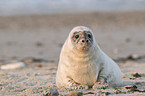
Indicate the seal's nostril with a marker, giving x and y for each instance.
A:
(87, 40)
(83, 40)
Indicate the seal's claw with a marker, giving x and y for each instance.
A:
(101, 86)
(81, 87)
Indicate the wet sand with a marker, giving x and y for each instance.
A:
(42, 36)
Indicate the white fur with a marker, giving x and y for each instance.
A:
(84, 68)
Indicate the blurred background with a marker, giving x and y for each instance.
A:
(38, 28)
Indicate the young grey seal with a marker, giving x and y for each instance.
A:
(82, 63)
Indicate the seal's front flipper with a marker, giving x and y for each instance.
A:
(71, 82)
(82, 87)
(101, 83)
(100, 86)
(74, 85)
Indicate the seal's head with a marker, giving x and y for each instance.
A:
(81, 38)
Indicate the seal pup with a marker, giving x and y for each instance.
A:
(82, 63)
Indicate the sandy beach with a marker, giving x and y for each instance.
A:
(36, 40)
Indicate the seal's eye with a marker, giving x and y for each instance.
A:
(89, 36)
(76, 36)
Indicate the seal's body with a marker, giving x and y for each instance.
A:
(82, 62)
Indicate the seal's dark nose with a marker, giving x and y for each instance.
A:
(83, 41)
(87, 41)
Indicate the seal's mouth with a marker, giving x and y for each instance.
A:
(83, 47)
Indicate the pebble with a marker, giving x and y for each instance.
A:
(75, 94)
(52, 92)
(13, 66)
(136, 75)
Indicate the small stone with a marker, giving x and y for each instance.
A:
(131, 88)
(75, 94)
(136, 75)
(118, 92)
(40, 65)
(28, 60)
(128, 40)
(99, 93)
(89, 93)
(32, 60)
(52, 92)
(133, 57)
(12, 66)
(39, 44)
(139, 43)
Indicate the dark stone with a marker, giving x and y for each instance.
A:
(52, 92)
